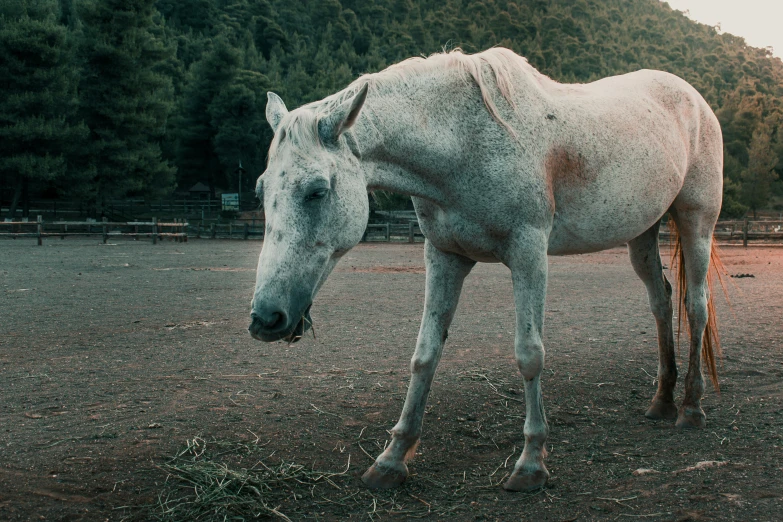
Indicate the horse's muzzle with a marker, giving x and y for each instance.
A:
(274, 325)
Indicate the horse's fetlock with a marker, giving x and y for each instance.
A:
(405, 435)
(537, 434)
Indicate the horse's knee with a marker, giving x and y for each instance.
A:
(530, 358)
(424, 362)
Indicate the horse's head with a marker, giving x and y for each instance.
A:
(315, 203)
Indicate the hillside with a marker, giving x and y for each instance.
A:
(215, 60)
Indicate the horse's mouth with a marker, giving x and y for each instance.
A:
(291, 336)
(304, 324)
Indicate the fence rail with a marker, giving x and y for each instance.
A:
(180, 229)
(41, 229)
(375, 232)
(743, 230)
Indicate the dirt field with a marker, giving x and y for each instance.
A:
(113, 356)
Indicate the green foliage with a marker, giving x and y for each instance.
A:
(308, 50)
(179, 86)
(758, 178)
(383, 200)
(126, 96)
(37, 96)
(222, 119)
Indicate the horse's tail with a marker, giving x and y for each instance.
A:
(711, 341)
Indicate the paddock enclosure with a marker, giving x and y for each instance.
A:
(113, 356)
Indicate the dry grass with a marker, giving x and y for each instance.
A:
(207, 481)
(203, 485)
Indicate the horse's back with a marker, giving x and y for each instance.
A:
(630, 147)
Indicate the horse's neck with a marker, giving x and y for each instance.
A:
(414, 140)
(409, 141)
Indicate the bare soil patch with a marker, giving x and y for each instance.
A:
(114, 358)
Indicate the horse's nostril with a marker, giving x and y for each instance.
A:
(269, 319)
(274, 321)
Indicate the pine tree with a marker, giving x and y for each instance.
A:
(196, 157)
(757, 179)
(37, 98)
(126, 97)
(223, 120)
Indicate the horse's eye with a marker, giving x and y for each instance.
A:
(317, 194)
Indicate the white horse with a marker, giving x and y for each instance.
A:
(504, 165)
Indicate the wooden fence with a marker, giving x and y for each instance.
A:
(744, 230)
(375, 232)
(135, 229)
(228, 230)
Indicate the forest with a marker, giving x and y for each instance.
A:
(108, 99)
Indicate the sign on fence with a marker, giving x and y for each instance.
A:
(231, 202)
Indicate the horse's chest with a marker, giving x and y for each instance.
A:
(460, 234)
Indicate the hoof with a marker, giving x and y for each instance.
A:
(691, 418)
(385, 476)
(527, 480)
(660, 410)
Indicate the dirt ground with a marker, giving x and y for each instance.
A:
(113, 356)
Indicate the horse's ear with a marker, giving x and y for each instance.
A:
(343, 117)
(275, 110)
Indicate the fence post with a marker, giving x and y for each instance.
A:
(105, 230)
(40, 231)
(247, 230)
(198, 230)
(745, 232)
(185, 231)
(212, 231)
(154, 231)
(388, 232)
(410, 231)
(230, 229)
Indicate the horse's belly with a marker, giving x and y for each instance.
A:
(610, 217)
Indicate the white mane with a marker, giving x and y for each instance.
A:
(499, 63)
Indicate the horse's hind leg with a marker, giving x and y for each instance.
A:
(445, 275)
(646, 261)
(696, 238)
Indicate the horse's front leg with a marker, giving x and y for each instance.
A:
(445, 274)
(528, 265)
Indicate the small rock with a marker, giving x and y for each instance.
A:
(644, 471)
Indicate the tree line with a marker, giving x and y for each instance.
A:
(105, 99)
